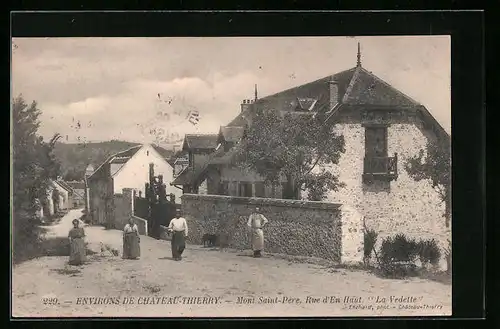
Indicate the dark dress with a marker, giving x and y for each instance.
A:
(131, 243)
(178, 244)
(77, 246)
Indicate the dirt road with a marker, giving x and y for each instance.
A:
(156, 286)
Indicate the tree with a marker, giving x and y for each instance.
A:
(292, 146)
(434, 164)
(74, 174)
(33, 165)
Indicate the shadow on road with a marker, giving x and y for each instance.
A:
(165, 258)
(49, 247)
(67, 271)
(419, 273)
(245, 255)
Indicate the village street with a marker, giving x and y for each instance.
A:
(224, 276)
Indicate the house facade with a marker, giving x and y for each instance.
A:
(68, 194)
(88, 172)
(61, 195)
(217, 173)
(57, 198)
(382, 129)
(180, 164)
(197, 148)
(78, 195)
(127, 169)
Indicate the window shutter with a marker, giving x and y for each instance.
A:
(376, 141)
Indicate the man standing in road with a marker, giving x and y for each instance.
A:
(256, 222)
(179, 229)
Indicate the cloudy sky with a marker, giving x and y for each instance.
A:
(96, 89)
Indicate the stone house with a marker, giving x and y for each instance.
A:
(128, 169)
(382, 128)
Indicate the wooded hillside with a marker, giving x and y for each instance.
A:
(74, 158)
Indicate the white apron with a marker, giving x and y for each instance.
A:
(255, 222)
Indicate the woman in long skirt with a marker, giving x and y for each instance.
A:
(131, 241)
(77, 244)
(256, 222)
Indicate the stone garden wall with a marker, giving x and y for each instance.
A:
(303, 228)
(123, 210)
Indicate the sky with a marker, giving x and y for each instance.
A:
(144, 89)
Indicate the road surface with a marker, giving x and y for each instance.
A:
(206, 283)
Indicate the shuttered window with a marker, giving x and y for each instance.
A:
(376, 141)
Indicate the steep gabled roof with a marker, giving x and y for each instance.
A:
(356, 86)
(186, 177)
(367, 88)
(232, 134)
(171, 162)
(117, 161)
(190, 176)
(128, 153)
(166, 154)
(223, 157)
(200, 141)
(288, 100)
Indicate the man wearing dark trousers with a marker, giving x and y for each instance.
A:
(179, 229)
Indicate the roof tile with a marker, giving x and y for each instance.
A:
(231, 134)
(205, 141)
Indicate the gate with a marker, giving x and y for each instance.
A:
(161, 214)
(156, 207)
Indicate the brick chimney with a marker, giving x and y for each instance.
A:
(334, 92)
(245, 104)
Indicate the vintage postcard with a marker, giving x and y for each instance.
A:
(231, 177)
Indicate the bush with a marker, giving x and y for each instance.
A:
(370, 239)
(429, 252)
(399, 249)
(398, 255)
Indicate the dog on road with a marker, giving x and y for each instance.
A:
(209, 240)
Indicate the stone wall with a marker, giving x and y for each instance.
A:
(142, 225)
(100, 196)
(164, 233)
(123, 210)
(295, 227)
